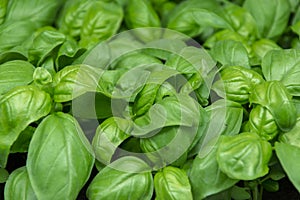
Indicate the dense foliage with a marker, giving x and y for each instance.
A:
(156, 114)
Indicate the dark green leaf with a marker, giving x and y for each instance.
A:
(238, 193)
(22, 143)
(3, 175)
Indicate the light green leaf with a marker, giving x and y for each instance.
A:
(289, 163)
(293, 136)
(14, 34)
(262, 122)
(141, 14)
(271, 16)
(75, 80)
(68, 163)
(274, 96)
(3, 8)
(283, 66)
(18, 186)
(43, 44)
(71, 17)
(15, 73)
(172, 183)
(193, 16)
(20, 107)
(236, 83)
(67, 53)
(230, 53)
(180, 110)
(102, 20)
(244, 156)
(206, 177)
(125, 178)
(38, 11)
(109, 135)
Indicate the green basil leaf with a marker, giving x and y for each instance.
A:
(164, 47)
(3, 8)
(191, 60)
(109, 135)
(67, 53)
(122, 179)
(43, 44)
(102, 20)
(17, 114)
(240, 193)
(14, 34)
(226, 34)
(15, 73)
(262, 122)
(270, 185)
(230, 53)
(22, 143)
(41, 76)
(141, 14)
(185, 17)
(172, 183)
(92, 106)
(244, 149)
(236, 83)
(293, 136)
(38, 11)
(68, 165)
(71, 17)
(275, 97)
(275, 15)
(283, 66)
(18, 186)
(134, 60)
(3, 175)
(262, 47)
(224, 117)
(162, 148)
(181, 110)
(147, 95)
(75, 80)
(206, 177)
(289, 163)
(241, 20)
